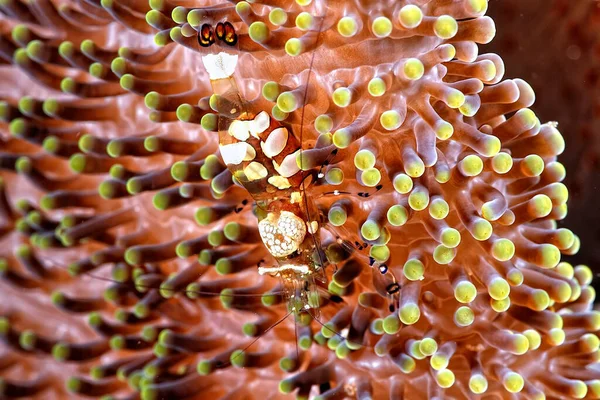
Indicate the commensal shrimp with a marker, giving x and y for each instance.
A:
(260, 153)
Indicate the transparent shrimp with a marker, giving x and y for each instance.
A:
(261, 155)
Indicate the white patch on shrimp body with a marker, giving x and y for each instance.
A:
(255, 171)
(235, 153)
(288, 166)
(275, 271)
(313, 227)
(275, 143)
(279, 182)
(239, 130)
(259, 124)
(220, 66)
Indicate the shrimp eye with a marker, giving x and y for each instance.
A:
(230, 36)
(392, 288)
(383, 269)
(206, 36)
(220, 31)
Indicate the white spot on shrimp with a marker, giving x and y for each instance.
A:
(239, 130)
(255, 171)
(313, 227)
(235, 153)
(288, 166)
(220, 66)
(279, 182)
(259, 124)
(275, 143)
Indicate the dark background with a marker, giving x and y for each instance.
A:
(555, 46)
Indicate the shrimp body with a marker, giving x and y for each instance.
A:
(261, 154)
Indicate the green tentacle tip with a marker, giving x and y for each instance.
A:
(77, 162)
(149, 393)
(223, 266)
(60, 351)
(335, 176)
(67, 85)
(21, 33)
(185, 111)
(97, 372)
(4, 326)
(118, 66)
(215, 238)
(151, 143)
(238, 358)
(183, 250)
(179, 171)
(209, 122)
(305, 342)
(117, 342)
(152, 100)
(337, 216)
(342, 138)
(107, 190)
(153, 17)
(17, 126)
(133, 256)
(380, 253)
(258, 32)
(95, 319)
(179, 15)
(51, 144)
(250, 329)
(270, 91)
(134, 186)
(127, 81)
(347, 27)
(268, 299)
(391, 324)
(382, 27)
(294, 47)
(97, 70)
(27, 339)
(66, 49)
(141, 310)
(26, 105)
(232, 230)
(4, 111)
(115, 148)
(286, 386)
(57, 298)
(23, 165)
(21, 57)
(287, 102)
(161, 201)
(73, 384)
(204, 216)
(204, 367)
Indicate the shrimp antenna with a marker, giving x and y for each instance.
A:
(303, 183)
(186, 291)
(240, 352)
(338, 334)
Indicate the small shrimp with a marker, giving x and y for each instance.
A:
(260, 153)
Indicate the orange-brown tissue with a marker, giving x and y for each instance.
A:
(129, 253)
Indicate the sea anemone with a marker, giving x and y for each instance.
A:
(563, 48)
(129, 246)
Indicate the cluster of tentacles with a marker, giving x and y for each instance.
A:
(128, 252)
